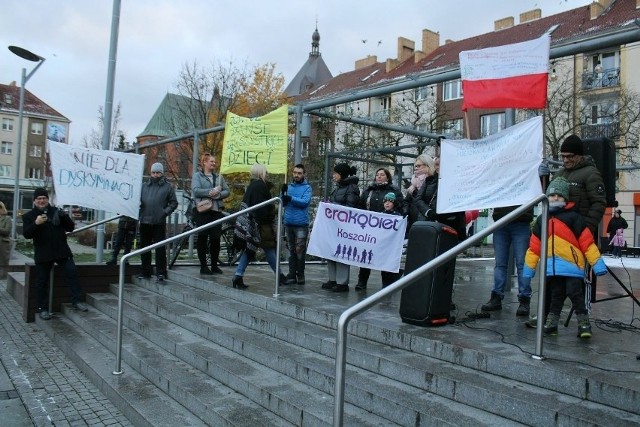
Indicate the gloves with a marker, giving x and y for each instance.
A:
(600, 268)
(284, 189)
(528, 272)
(286, 199)
(543, 169)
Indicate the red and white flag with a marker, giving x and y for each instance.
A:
(510, 76)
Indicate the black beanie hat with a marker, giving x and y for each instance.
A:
(38, 192)
(343, 169)
(573, 145)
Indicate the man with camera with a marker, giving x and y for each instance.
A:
(48, 227)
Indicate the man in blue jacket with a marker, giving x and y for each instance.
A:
(296, 198)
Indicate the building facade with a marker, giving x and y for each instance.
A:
(41, 123)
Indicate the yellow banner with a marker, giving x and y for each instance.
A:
(258, 140)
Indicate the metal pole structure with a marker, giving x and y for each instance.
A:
(297, 146)
(29, 56)
(108, 111)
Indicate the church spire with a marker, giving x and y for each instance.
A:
(315, 42)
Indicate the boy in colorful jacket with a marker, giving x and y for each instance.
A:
(569, 246)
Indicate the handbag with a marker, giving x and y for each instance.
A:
(204, 205)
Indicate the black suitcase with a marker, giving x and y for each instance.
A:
(427, 301)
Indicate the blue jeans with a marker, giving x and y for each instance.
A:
(515, 234)
(243, 262)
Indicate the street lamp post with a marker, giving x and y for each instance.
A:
(29, 56)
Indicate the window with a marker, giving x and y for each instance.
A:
(8, 98)
(452, 90)
(491, 123)
(7, 124)
(453, 129)
(5, 170)
(37, 128)
(304, 148)
(6, 147)
(35, 151)
(420, 93)
(35, 173)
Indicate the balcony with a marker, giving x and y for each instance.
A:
(609, 130)
(607, 78)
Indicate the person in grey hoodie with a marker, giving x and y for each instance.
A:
(157, 201)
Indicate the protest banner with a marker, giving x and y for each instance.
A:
(98, 179)
(358, 237)
(255, 140)
(499, 170)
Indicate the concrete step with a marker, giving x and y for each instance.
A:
(396, 402)
(470, 387)
(140, 401)
(214, 378)
(577, 380)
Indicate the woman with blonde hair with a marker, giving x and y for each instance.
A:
(423, 168)
(257, 228)
(5, 240)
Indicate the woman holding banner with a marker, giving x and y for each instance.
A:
(208, 186)
(345, 193)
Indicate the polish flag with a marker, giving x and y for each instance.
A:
(511, 76)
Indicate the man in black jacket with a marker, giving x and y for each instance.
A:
(157, 201)
(48, 226)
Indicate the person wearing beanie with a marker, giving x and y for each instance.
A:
(48, 227)
(345, 193)
(570, 246)
(586, 187)
(157, 167)
(157, 201)
(372, 199)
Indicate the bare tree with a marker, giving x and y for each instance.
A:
(94, 139)
(612, 112)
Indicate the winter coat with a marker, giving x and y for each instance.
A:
(372, 198)
(618, 239)
(49, 239)
(346, 193)
(586, 190)
(569, 245)
(426, 202)
(296, 213)
(499, 213)
(127, 223)
(5, 240)
(201, 185)
(256, 193)
(157, 201)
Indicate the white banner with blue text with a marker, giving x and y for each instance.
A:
(99, 179)
(498, 170)
(358, 237)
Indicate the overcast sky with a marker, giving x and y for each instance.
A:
(157, 37)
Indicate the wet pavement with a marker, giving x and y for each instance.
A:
(42, 382)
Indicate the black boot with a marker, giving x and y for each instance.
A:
(494, 304)
(329, 284)
(523, 308)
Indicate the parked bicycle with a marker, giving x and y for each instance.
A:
(229, 254)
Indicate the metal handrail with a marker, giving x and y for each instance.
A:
(86, 227)
(125, 258)
(364, 305)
